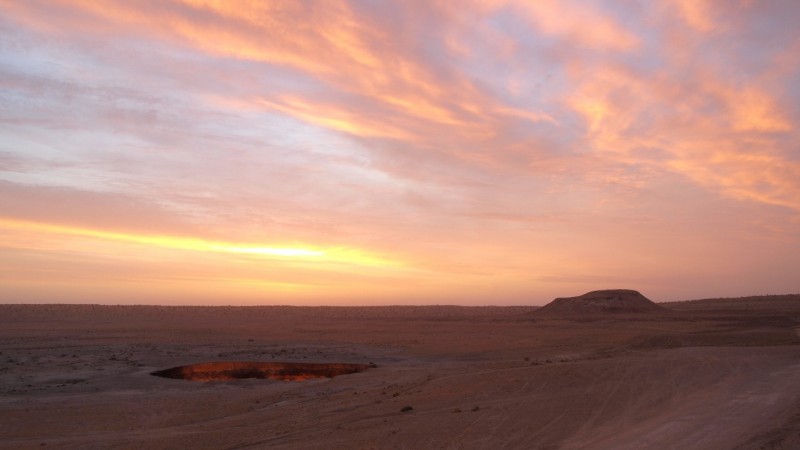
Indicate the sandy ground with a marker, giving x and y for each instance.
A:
(710, 376)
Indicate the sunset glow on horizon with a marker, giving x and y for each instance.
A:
(361, 152)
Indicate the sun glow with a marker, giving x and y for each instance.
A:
(271, 251)
(305, 253)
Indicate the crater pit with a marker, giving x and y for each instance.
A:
(237, 370)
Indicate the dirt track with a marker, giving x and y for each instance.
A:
(78, 377)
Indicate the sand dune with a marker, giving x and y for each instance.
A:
(704, 377)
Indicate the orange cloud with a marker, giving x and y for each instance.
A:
(754, 110)
(697, 14)
(743, 175)
(571, 20)
(581, 22)
(330, 42)
(333, 117)
(629, 116)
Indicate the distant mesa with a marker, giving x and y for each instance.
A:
(611, 301)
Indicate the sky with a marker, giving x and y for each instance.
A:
(478, 152)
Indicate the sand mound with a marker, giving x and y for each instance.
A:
(601, 302)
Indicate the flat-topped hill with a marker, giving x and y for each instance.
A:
(601, 302)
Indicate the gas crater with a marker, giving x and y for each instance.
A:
(238, 370)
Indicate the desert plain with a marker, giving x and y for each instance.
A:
(708, 374)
